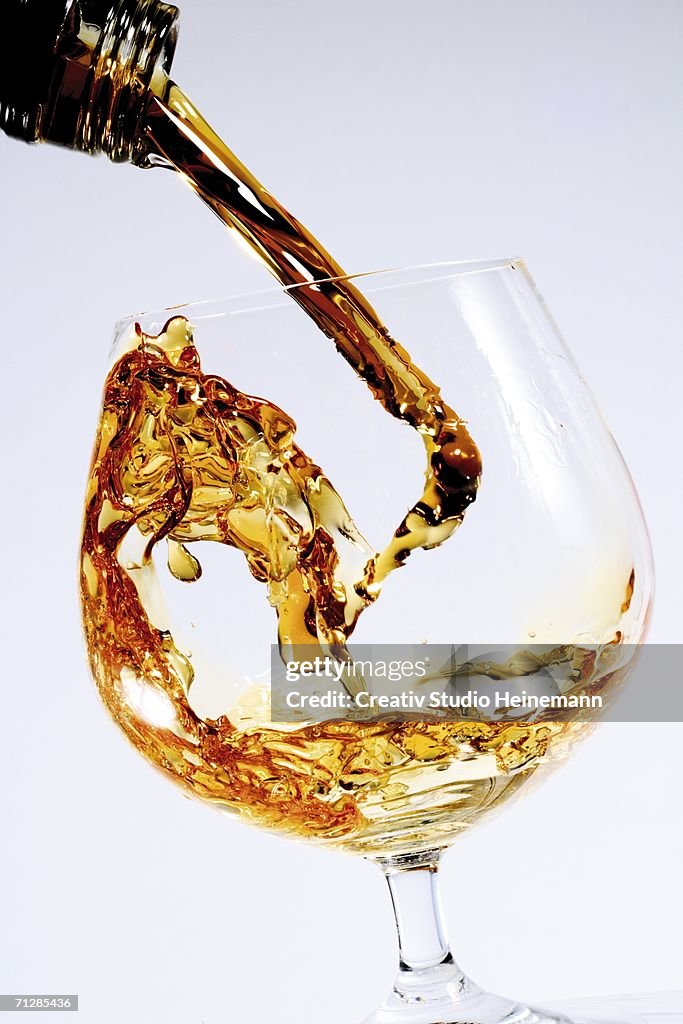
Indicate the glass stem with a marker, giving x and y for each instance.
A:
(427, 972)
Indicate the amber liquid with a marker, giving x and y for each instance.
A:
(184, 457)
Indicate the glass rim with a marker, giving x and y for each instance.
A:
(272, 297)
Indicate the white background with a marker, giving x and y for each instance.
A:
(402, 133)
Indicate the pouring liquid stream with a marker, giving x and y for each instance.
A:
(183, 456)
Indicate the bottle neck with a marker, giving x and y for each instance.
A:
(95, 76)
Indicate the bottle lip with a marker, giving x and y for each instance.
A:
(28, 44)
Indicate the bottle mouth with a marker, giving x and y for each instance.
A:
(86, 70)
(136, 43)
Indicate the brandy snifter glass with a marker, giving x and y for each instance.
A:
(193, 528)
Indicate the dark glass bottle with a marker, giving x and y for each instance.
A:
(79, 72)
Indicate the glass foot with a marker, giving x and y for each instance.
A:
(449, 997)
(444, 995)
(644, 1008)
